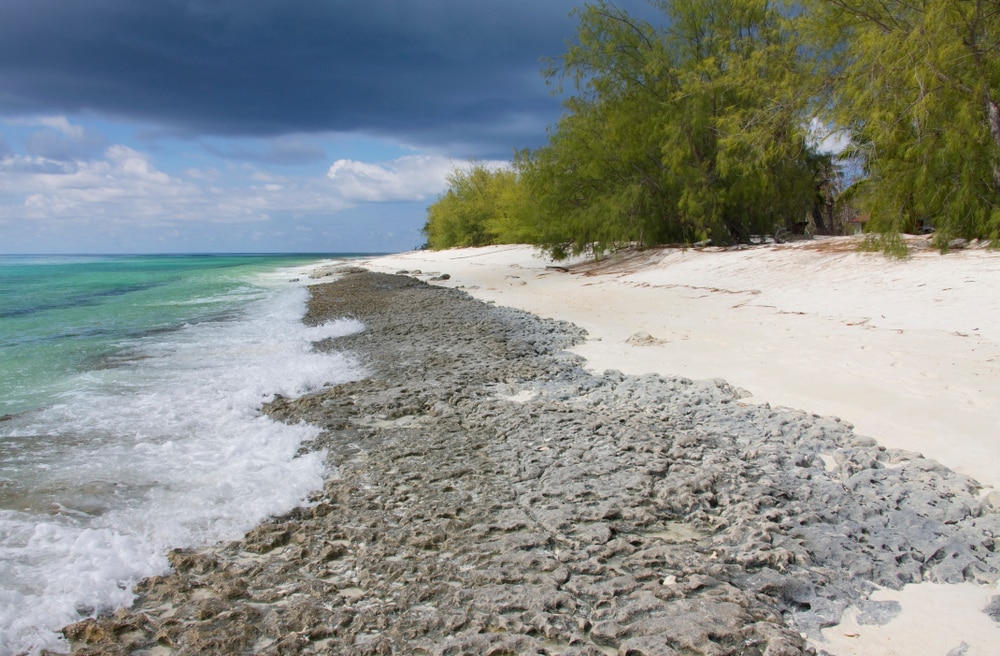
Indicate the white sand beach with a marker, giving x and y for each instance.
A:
(908, 351)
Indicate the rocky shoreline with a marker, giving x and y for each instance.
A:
(491, 496)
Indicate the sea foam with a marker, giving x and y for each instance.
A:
(166, 449)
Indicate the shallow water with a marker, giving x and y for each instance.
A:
(130, 391)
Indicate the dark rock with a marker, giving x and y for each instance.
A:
(878, 612)
(993, 608)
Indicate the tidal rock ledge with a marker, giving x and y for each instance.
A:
(489, 496)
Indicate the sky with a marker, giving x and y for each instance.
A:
(321, 126)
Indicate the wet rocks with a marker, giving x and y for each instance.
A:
(488, 495)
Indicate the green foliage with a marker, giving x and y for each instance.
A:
(696, 128)
(478, 209)
(676, 134)
(889, 243)
(600, 182)
(915, 83)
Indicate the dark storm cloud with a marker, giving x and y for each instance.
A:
(455, 73)
(278, 151)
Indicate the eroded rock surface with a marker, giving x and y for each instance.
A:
(489, 496)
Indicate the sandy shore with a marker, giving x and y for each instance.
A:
(906, 351)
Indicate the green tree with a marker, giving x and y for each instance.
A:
(915, 82)
(683, 132)
(477, 209)
(736, 123)
(600, 181)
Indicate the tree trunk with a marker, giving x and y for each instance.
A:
(994, 116)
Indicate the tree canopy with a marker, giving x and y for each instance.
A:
(477, 209)
(915, 84)
(697, 127)
(681, 133)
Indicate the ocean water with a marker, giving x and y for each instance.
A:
(130, 390)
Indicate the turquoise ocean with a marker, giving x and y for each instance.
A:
(130, 395)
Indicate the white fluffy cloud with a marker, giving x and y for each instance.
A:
(121, 190)
(408, 178)
(124, 185)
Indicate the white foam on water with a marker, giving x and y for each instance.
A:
(168, 450)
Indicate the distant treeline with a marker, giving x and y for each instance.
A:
(703, 127)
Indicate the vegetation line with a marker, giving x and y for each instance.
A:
(703, 126)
